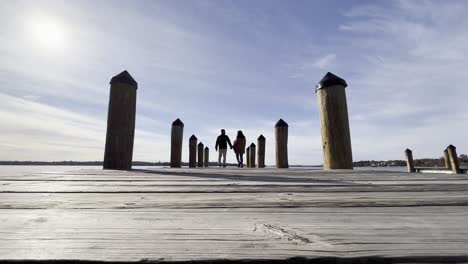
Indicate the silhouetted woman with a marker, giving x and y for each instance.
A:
(239, 148)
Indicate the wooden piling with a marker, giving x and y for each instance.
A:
(252, 150)
(177, 134)
(334, 123)
(118, 153)
(261, 151)
(281, 144)
(446, 159)
(193, 151)
(453, 158)
(247, 153)
(201, 148)
(206, 157)
(409, 160)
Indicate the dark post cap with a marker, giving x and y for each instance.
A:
(252, 145)
(261, 137)
(408, 150)
(328, 80)
(177, 122)
(193, 137)
(281, 123)
(248, 147)
(124, 77)
(451, 147)
(206, 148)
(200, 144)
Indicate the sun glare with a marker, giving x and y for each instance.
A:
(48, 33)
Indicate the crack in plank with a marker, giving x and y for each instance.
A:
(281, 233)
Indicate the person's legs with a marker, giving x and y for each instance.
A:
(224, 151)
(242, 159)
(220, 153)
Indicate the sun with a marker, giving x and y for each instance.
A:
(48, 33)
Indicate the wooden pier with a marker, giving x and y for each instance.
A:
(439, 170)
(229, 215)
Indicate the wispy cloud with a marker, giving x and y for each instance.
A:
(325, 62)
(219, 64)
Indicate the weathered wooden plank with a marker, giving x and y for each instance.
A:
(206, 214)
(236, 234)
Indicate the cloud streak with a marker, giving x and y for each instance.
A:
(234, 65)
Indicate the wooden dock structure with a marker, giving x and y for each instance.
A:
(438, 170)
(205, 215)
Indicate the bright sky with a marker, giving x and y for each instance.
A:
(236, 65)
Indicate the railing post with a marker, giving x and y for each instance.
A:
(409, 160)
(452, 153)
(177, 134)
(281, 144)
(201, 148)
(447, 159)
(252, 150)
(193, 151)
(247, 153)
(206, 157)
(118, 153)
(334, 123)
(261, 151)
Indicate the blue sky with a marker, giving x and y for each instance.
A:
(234, 65)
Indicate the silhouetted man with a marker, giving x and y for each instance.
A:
(222, 141)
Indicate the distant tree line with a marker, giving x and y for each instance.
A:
(440, 162)
(463, 158)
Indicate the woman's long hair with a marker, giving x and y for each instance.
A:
(240, 134)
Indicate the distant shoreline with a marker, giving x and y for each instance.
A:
(377, 164)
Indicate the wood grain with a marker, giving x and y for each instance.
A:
(334, 124)
(234, 214)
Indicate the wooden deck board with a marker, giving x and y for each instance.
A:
(212, 214)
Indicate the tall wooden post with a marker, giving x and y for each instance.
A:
(206, 160)
(118, 153)
(281, 144)
(447, 159)
(177, 134)
(453, 157)
(253, 150)
(409, 160)
(200, 154)
(261, 151)
(193, 151)
(334, 123)
(247, 153)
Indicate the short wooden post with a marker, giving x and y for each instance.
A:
(446, 159)
(177, 134)
(206, 157)
(281, 144)
(453, 157)
(261, 151)
(252, 150)
(409, 160)
(118, 153)
(193, 151)
(334, 123)
(247, 153)
(201, 148)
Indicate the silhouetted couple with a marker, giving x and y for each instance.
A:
(239, 147)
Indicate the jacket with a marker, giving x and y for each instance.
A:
(222, 141)
(239, 145)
